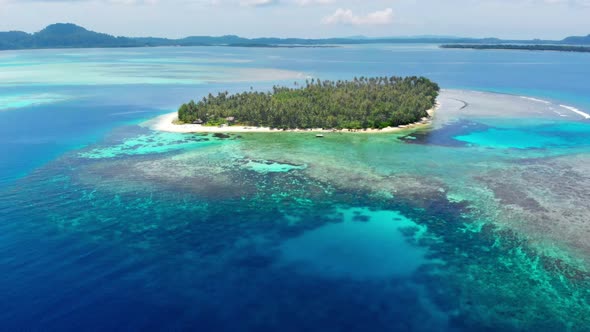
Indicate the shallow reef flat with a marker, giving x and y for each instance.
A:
(120, 72)
(13, 102)
(547, 199)
(462, 233)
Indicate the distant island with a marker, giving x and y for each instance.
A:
(362, 103)
(67, 35)
(559, 48)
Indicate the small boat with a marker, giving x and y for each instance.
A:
(319, 136)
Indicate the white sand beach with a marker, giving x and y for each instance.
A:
(166, 123)
(577, 111)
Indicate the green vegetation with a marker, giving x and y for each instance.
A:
(561, 48)
(61, 36)
(362, 103)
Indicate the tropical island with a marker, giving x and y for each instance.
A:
(363, 103)
(559, 48)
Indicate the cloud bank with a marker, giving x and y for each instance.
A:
(346, 16)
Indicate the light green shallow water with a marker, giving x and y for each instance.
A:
(10, 102)
(365, 245)
(153, 143)
(483, 166)
(492, 214)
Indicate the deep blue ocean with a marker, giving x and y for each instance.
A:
(106, 225)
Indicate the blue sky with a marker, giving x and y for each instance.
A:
(306, 18)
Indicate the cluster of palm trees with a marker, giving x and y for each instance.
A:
(376, 102)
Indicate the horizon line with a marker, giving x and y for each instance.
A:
(354, 37)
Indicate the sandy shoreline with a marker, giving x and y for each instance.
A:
(165, 123)
(577, 111)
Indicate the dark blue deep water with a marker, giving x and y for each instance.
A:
(106, 225)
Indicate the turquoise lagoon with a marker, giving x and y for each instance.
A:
(478, 222)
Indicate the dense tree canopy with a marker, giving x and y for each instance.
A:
(361, 103)
(61, 35)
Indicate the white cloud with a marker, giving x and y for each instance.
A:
(346, 16)
(260, 3)
(570, 2)
(256, 3)
(546, 19)
(134, 2)
(314, 2)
